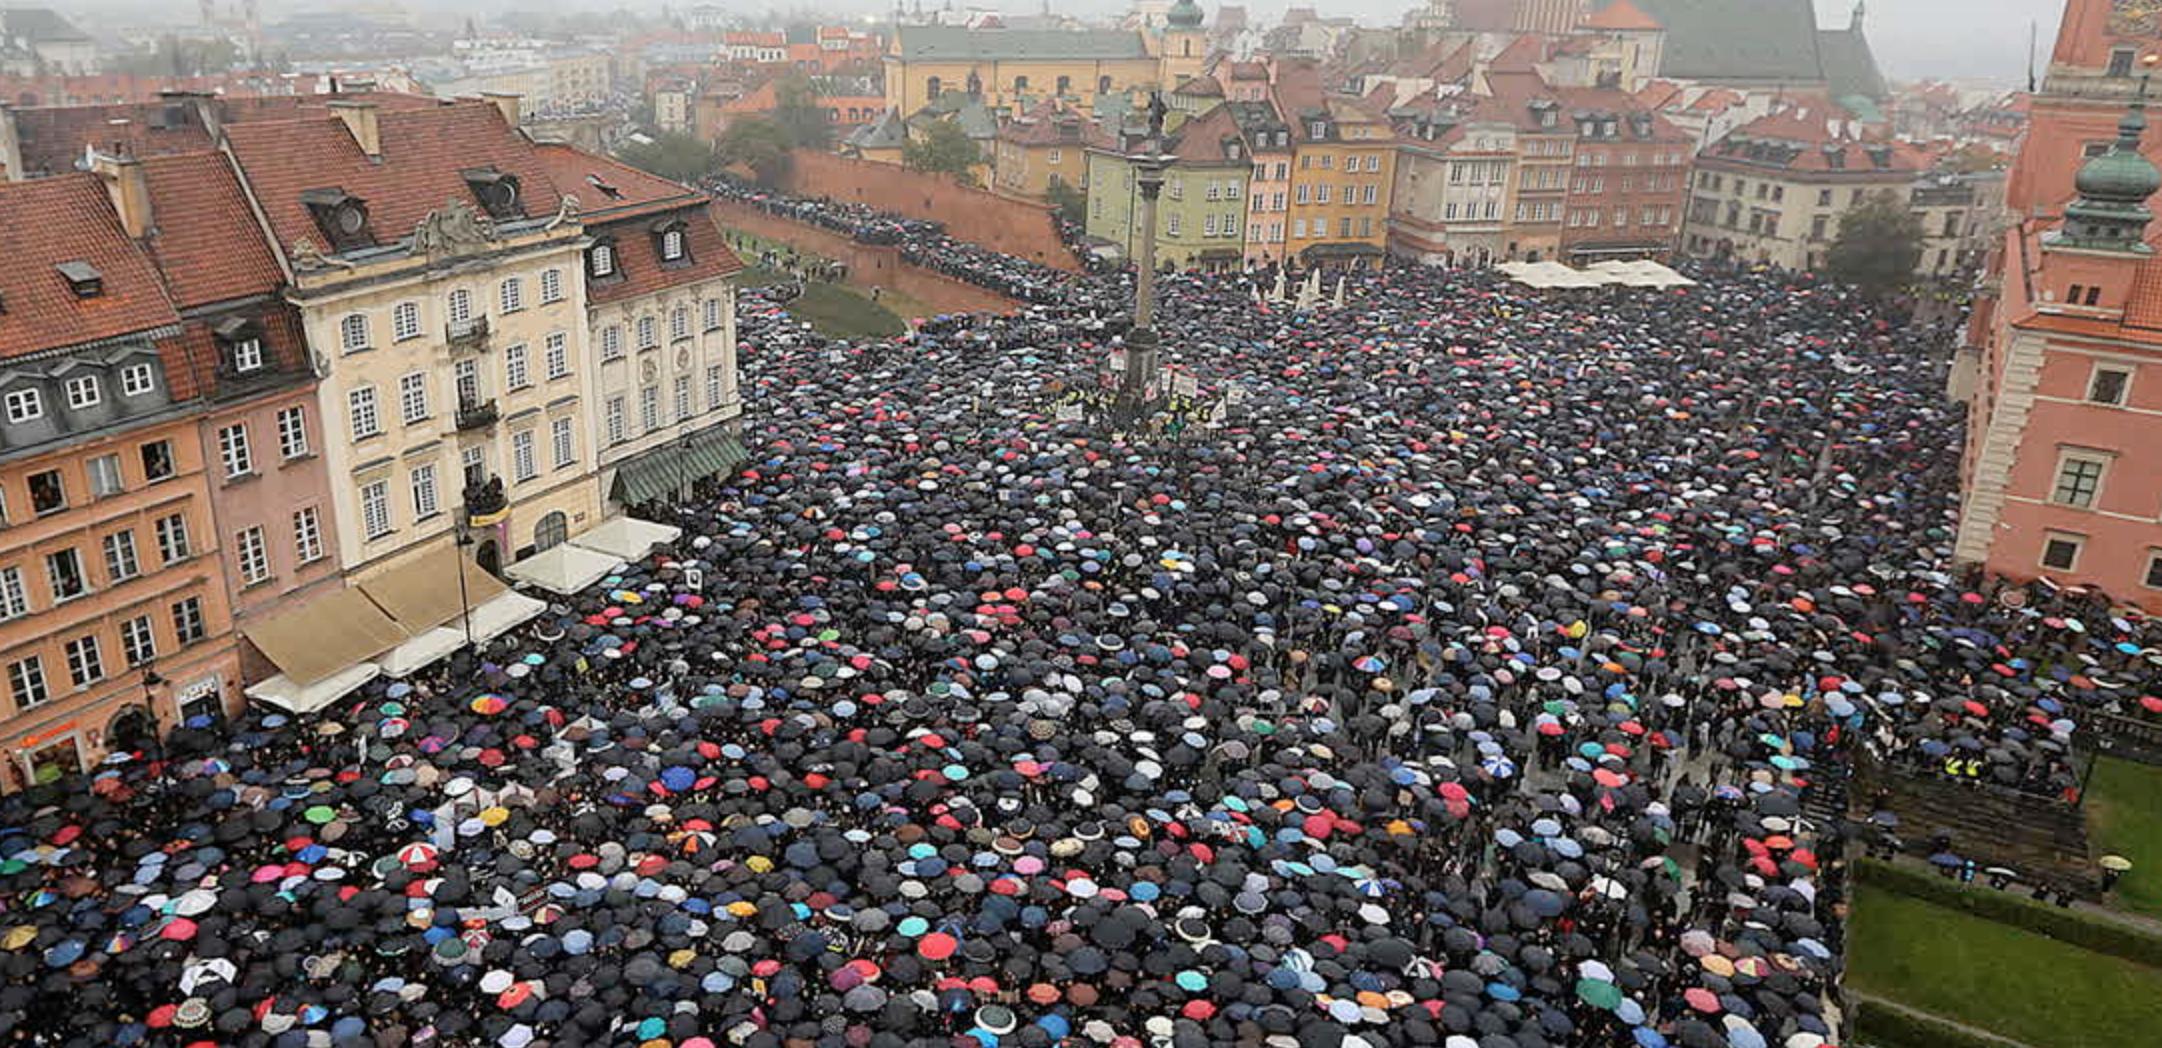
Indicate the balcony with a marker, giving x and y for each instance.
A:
(484, 499)
(476, 414)
(467, 335)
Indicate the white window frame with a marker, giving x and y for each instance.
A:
(524, 466)
(235, 452)
(649, 331)
(107, 477)
(405, 321)
(138, 641)
(83, 392)
(613, 413)
(188, 624)
(86, 660)
(2079, 549)
(563, 442)
(2070, 457)
(307, 535)
(293, 431)
(510, 295)
(611, 343)
(122, 561)
(251, 552)
(375, 509)
(364, 417)
(14, 596)
(427, 502)
(458, 306)
(174, 543)
(715, 319)
(516, 375)
(247, 355)
(353, 333)
(556, 355)
(137, 380)
(551, 286)
(27, 684)
(2124, 392)
(714, 386)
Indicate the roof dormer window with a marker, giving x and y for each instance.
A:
(672, 241)
(83, 278)
(340, 216)
(606, 188)
(496, 191)
(1318, 129)
(601, 261)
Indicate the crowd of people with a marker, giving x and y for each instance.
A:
(1463, 682)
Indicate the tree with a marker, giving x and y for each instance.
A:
(672, 155)
(796, 109)
(757, 143)
(943, 148)
(1072, 204)
(1879, 243)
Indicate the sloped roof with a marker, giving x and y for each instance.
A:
(1623, 16)
(889, 131)
(1200, 142)
(1741, 40)
(609, 190)
(1802, 139)
(1520, 56)
(937, 42)
(41, 25)
(69, 218)
(1849, 67)
(206, 241)
(423, 152)
(53, 138)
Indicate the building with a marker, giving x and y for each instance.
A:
(1009, 67)
(1773, 190)
(1959, 221)
(1200, 217)
(1268, 210)
(1631, 183)
(1047, 145)
(672, 105)
(1754, 45)
(112, 597)
(661, 320)
(2064, 401)
(1455, 174)
(37, 141)
(1343, 165)
(36, 41)
(1545, 165)
(436, 267)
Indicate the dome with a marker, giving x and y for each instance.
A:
(2121, 175)
(1186, 14)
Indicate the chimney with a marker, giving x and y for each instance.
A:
(505, 103)
(130, 190)
(11, 146)
(360, 119)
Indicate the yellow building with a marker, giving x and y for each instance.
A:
(1013, 67)
(1342, 170)
(1044, 146)
(438, 272)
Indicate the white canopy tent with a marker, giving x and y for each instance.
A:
(289, 695)
(421, 650)
(501, 615)
(626, 538)
(564, 569)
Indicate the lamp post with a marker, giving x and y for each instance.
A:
(461, 541)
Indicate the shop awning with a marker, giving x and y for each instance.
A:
(424, 593)
(325, 636)
(1342, 249)
(564, 569)
(506, 612)
(626, 538)
(420, 651)
(664, 470)
(291, 696)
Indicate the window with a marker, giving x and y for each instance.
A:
(25, 405)
(614, 416)
(137, 379)
(679, 323)
(292, 431)
(714, 321)
(375, 509)
(14, 599)
(461, 308)
(234, 452)
(1369, 193)
(1171, 226)
(1321, 193)
(247, 355)
(83, 392)
(353, 332)
(474, 463)
(514, 368)
(254, 556)
(424, 499)
(561, 443)
(511, 295)
(138, 642)
(172, 535)
(465, 384)
(1208, 225)
(672, 246)
(85, 665)
(188, 621)
(2120, 61)
(1448, 212)
(1303, 192)
(2094, 294)
(26, 680)
(649, 332)
(2079, 480)
(649, 408)
(405, 321)
(360, 406)
(121, 563)
(307, 536)
(1817, 227)
(611, 343)
(556, 355)
(64, 571)
(105, 476)
(2108, 385)
(521, 456)
(2060, 551)
(601, 260)
(48, 493)
(2153, 578)
(551, 281)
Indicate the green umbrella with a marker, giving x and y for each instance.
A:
(319, 814)
(1599, 993)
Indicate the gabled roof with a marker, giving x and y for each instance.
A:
(1050, 123)
(1621, 16)
(1200, 141)
(1739, 40)
(1200, 87)
(1802, 139)
(205, 240)
(1849, 67)
(609, 190)
(889, 131)
(69, 218)
(41, 25)
(423, 153)
(1521, 56)
(957, 43)
(53, 138)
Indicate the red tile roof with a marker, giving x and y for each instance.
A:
(1803, 139)
(638, 258)
(1621, 15)
(1520, 56)
(52, 138)
(206, 241)
(423, 152)
(581, 174)
(70, 218)
(642, 200)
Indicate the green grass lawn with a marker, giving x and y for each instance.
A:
(2014, 983)
(2124, 816)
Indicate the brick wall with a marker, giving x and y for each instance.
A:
(868, 265)
(1016, 227)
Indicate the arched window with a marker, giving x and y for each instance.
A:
(550, 531)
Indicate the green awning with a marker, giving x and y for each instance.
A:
(664, 470)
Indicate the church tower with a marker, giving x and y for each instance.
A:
(1185, 49)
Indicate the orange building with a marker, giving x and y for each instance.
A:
(1343, 167)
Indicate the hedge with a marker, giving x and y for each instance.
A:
(2115, 938)
(1889, 1025)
